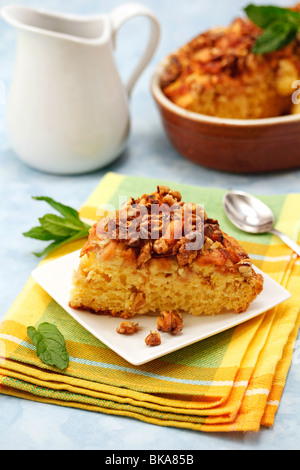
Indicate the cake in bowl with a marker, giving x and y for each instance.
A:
(157, 253)
(218, 74)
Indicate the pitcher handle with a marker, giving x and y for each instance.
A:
(124, 13)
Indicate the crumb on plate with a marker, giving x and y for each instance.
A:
(127, 328)
(153, 339)
(170, 322)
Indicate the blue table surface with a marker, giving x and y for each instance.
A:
(30, 425)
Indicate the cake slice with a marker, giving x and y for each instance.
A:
(158, 253)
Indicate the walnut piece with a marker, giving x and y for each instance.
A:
(153, 339)
(127, 328)
(245, 269)
(138, 302)
(170, 322)
(145, 254)
(160, 246)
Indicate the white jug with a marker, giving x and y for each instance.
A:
(68, 109)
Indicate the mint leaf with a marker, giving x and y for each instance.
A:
(39, 233)
(276, 36)
(280, 26)
(49, 249)
(59, 230)
(57, 225)
(66, 211)
(265, 15)
(56, 244)
(50, 345)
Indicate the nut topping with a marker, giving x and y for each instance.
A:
(162, 225)
(245, 268)
(160, 246)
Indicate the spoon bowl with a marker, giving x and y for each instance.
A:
(248, 213)
(253, 216)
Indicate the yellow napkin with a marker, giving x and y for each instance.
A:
(232, 381)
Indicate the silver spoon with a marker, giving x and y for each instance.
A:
(251, 215)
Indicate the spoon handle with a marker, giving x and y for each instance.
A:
(287, 240)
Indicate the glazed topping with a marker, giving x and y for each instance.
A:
(219, 56)
(161, 225)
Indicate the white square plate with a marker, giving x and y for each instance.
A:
(55, 278)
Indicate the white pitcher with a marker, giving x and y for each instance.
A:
(68, 108)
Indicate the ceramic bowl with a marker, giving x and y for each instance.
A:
(232, 145)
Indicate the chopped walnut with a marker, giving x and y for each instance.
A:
(127, 328)
(145, 254)
(169, 199)
(162, 225)
(213, 231)
(160, 246)
(170, 322)
(245, 268)
(207, 244)
(216, 245)
(163, 190)
(168, 196)
(153, 339)
(138, 302)
(185, 256)
(176, 195)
